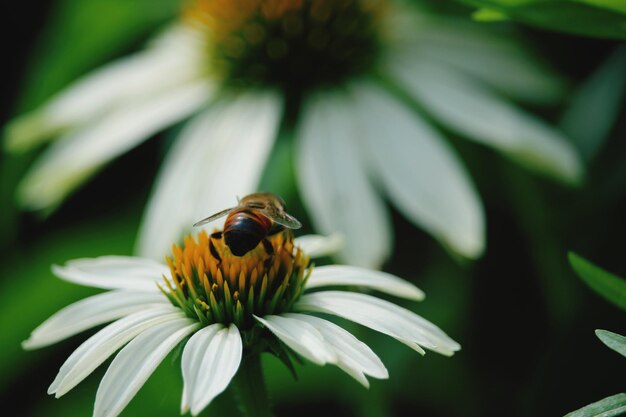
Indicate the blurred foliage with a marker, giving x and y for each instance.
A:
(596, 104)
(45, 293)
(519, 313)
(597, 18)
(609, 286)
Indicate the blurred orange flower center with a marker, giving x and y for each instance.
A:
(292, 44)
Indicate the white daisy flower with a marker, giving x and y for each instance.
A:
(367, 82)
(224, 309)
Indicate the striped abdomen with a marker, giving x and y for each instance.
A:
(244, 229)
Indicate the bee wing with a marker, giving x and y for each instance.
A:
(281, 217)
(213, 217)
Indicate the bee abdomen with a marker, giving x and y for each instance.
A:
(244, 230)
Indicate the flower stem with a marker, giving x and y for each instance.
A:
(250, 388)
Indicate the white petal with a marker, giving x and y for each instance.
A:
(420, 172)
(323, 276)
(302, 337)
(90, 312)
(496, 60)
(382, 316)
(210, 361)
(317, 246)
(220, 155)
(192, 358)
(172, 60)
(354, 356)
(135, 363)
(472, 110)
(331, 171)
(113, 272)
(103, 344)
(69, 161)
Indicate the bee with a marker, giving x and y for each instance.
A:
(256, 217)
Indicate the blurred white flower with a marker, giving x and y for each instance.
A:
(370, 79)
(226, 306)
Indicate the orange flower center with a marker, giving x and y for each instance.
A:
(230, 289)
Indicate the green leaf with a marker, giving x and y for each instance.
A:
(489, 15)
(613, 340)
(617, 5)
(609, 286)
(614, 405)
(596, 105)
(596, 18)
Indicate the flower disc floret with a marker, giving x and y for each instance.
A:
(232, 289)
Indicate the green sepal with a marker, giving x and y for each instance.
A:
(177, 352)
(282, 352)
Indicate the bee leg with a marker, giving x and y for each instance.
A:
(214, 252)
(270, 252)
(277, 228)
(268, 247)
